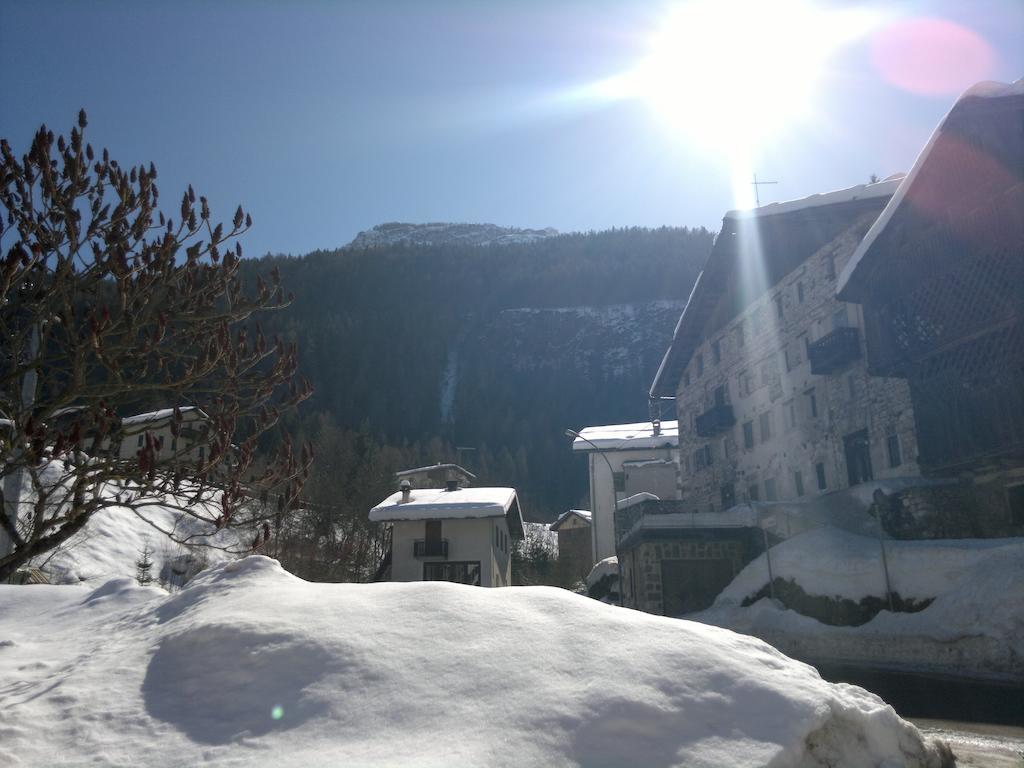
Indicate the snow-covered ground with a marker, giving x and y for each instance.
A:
(977, 586)
(112, 541)
(249, 665)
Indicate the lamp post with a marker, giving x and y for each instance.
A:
(611, 475)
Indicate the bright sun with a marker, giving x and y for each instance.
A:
(732, 74)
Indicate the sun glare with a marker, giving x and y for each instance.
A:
(731, 74)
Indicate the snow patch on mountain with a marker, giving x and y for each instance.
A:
(442, 233)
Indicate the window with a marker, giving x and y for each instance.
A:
(721, 395)
(700, 365)
(748, 435)
(840, 319)
(892, 444)
(800, 292)
(728, 496)
(1015, 500)
(778, 306)
(716, 351)
(806, 345)
(140, 441)
(460, 573)
(202, 452)
(174, 444)
(851, 384)
(770, 492)
(830, 268)
(741, 333)
(752, 492)
(746, 383)
(619, 481)
(686, 377)
(702, 457)
(789, 414)
(725, 448)
(789, 359)
(812, 402)
(766, 427)
(819, 470)
(798, 483)
(757, 321)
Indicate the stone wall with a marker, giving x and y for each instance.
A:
(788, 421)
(970, 508)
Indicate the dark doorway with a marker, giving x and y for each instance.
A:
(693, 585)
(858, 457)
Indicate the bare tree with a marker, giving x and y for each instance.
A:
(110, 307)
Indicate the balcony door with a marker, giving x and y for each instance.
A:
(858, 457)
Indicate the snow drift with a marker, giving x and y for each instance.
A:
(250, 665)
(977, 587)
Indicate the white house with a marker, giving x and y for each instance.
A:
(452, 534)
(190, 442)
(626, 459)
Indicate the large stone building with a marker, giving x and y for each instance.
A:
(767, 366)
(941, 279)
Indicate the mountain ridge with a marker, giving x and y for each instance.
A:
(396, 233)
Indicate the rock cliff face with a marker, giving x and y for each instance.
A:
(440, 233)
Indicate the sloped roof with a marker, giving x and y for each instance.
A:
(974, 158)
(583, 515)
(781, 236)
(166, 414)
(627, 437)
(460, 504)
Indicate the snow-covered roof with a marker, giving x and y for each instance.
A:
(627, 437)
(441, 504)
(983, 90)
(580, 513)
(849, 194)
(162, 415)
(636, 498)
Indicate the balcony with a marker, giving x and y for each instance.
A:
(834, 351)
(716, 419)
(433, 548)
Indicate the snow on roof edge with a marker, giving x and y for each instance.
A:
(857, 192)
(621, 437)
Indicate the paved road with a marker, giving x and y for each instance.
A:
(978, 745)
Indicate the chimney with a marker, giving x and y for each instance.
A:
(451, 485)
(656, 423)
(406, 487)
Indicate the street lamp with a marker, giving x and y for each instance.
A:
(611, 475)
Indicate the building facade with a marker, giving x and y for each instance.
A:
(767, 366)
(463, 535)
(940, 276)
(624, 460)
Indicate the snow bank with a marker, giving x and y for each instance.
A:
(112, 541)
(249, 665)
(977, 586)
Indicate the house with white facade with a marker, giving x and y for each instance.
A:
(454, 534)
(623, 460)
(189, 444)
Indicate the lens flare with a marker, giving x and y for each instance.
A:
(277, 712)
(931, 56)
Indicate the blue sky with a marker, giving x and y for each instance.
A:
(325, 118)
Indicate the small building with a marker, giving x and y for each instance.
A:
(940, 277)
(575, 540)
(626, 459)
(454, 534)
(189, 444)
(436, 476)
(766, 366)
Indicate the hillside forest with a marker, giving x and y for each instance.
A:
(482, 355)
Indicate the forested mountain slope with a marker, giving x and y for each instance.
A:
(498, 348)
